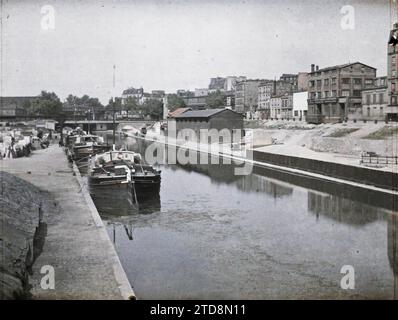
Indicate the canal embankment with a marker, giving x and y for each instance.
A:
(75, 242)
(385, 179)
(325, 166)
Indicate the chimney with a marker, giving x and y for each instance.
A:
(317, 68)
(312, 67)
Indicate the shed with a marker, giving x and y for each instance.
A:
(208, 119)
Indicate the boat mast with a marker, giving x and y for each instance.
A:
(114, 106)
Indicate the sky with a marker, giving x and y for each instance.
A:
(172, 45)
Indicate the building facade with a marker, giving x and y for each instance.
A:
(264, 94)
(335, 93)
(201, 92)
(287, 106)
(219, 119)
(132, 93)
(392, 75)
(275, 107)
(375, 101)
(195, 103)
(246, 95)
(15, 107)
(269, 88)
(224, 83)
(302, 81)
(300, 105)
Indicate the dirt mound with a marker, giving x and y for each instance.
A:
(20, 217)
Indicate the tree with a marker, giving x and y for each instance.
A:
(152, 108)
(47, 105)
(216, 99)
(85, 104)
(29, 107)
(174, 102)
(131, 104)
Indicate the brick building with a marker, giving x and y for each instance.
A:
(392, 75)
(246, 95)
(375, 101)
(335, 93)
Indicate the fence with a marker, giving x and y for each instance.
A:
(376, 159)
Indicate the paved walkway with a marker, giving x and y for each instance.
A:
(77, 244)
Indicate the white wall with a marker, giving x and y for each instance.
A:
(300, 103)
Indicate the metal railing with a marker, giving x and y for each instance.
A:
(376, 159)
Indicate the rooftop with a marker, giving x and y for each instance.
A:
(178, 112)
(340, 66)
(208, 113)
(133, 91)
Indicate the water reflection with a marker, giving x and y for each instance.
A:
(343, 210)
(392, 248)
(287, 242)
(112, 204)
(257, 183)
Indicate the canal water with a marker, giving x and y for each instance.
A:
(269, 235)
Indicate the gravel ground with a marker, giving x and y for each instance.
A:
(349, 139)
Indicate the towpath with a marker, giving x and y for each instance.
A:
(76, 243)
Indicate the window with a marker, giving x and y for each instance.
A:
(357, 81)
(296, 113)
(381, 98)
(368, 111)
(345, 93)
(318, 83)
(392, 86)
(326, 82)
(368, 81)
(374, 98)
(333, 80)
(319, 95)
(368, 99)
(394, 100)
(356, 93)
(326, 94)
(312, 95)
(312, 83)
(381, 111)
(345, 80)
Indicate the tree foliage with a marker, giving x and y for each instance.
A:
(216, 99)
(85, 101)
(47, 105)
(174, 102)
(152, 108)
(131, 105)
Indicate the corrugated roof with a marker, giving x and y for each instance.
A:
(203, 113)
